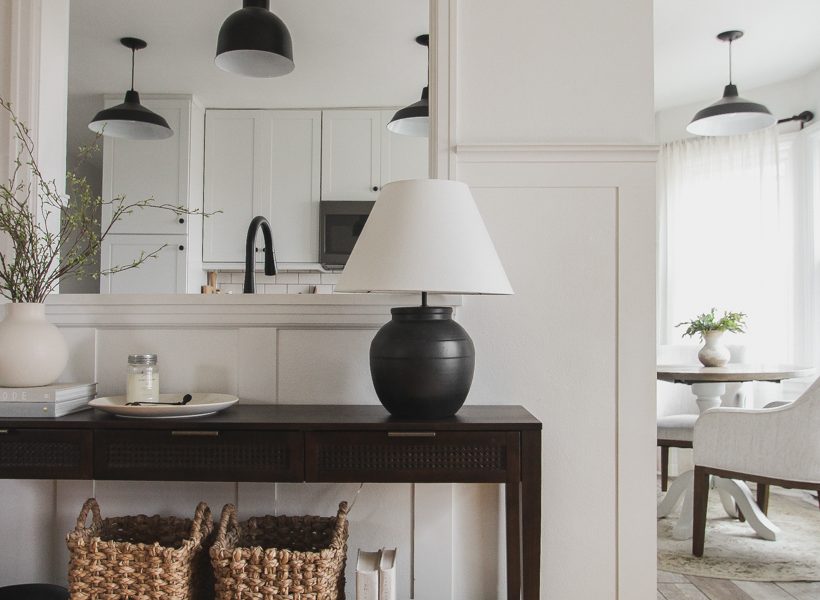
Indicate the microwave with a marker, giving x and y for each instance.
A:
(341, 222)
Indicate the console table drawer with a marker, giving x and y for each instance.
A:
(45, 454)
(201, 455)
(409, 456)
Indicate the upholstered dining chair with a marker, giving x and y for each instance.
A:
(771, 446)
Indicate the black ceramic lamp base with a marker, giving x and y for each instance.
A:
(422, 363)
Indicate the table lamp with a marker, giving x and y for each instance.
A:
(423, 235)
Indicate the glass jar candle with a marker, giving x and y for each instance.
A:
(142, 380)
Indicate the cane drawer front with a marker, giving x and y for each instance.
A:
(199, 455)
(45, 453)
(409, 456)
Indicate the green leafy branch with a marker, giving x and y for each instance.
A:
(40, 257)
(730, 321)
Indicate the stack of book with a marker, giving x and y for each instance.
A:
(47, 401)
(376, 575)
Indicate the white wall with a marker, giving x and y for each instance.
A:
(574, 228)
(784, 99)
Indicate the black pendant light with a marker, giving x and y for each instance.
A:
(414, 119)
(254, 42)
(131, 120)
(731, 115)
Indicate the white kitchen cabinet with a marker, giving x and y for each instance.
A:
(359, 154)
(170, 172)
(351, 154)
(164, 274)
(262, 162)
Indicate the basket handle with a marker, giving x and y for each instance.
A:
(201, 516)
(341, 518)
(228, 519)
(96, 519)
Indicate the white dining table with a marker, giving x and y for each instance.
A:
(708, 384)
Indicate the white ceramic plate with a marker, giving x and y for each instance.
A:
(199, 406)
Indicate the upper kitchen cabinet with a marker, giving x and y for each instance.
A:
(359, 154)
(351, 146)
(170, 171)
(262, 162)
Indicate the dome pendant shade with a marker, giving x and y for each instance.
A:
(254, 42)
(131, 120)
(731, 115)
(413, 119)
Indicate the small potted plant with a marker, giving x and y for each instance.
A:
(711, 330)
(48, 238)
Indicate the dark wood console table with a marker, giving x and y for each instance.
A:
(278, 443)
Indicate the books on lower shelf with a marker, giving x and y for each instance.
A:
(47, 401)
(376, 575)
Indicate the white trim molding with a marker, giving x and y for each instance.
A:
(563, 153)
(191, 310)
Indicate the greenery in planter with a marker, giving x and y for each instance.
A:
(40, 257)
(730, 321)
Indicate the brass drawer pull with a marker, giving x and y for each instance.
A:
(4, 431)
(195, 433)
(420, 434)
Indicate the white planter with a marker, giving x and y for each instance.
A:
(33, 352)
(714, 353)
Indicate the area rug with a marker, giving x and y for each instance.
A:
(733, 551)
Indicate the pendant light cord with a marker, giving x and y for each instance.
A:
(133, 53)
(730, 62)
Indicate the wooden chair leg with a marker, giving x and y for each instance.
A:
(701, 499)
(664, 468)
(763, 497)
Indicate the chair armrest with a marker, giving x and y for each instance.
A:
(781, 443)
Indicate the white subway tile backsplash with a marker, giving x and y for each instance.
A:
(231, 288)
(287, 278)
(277, 288)
(290, 282)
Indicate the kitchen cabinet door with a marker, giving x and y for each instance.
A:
(262, 162)
(290, 197)
(351, 154)
(165, 274)
(158, 169)
(235, 150)
(402, 156)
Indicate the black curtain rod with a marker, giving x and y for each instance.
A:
(804, 117)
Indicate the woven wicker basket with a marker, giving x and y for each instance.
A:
(144, 558)
(280, 558)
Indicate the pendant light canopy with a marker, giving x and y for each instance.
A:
(731, 115)
(414, 119)
(254, 42)
(131, 120)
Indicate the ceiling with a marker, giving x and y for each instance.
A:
(351, 53)
(362, 52)
(781, 42)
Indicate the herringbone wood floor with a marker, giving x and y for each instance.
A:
(672, 586)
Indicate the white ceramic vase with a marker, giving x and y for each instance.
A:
(33, 352)
(713, 353)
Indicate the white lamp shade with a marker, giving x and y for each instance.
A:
(425, 235)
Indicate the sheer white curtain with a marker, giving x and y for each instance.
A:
(727, 239)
